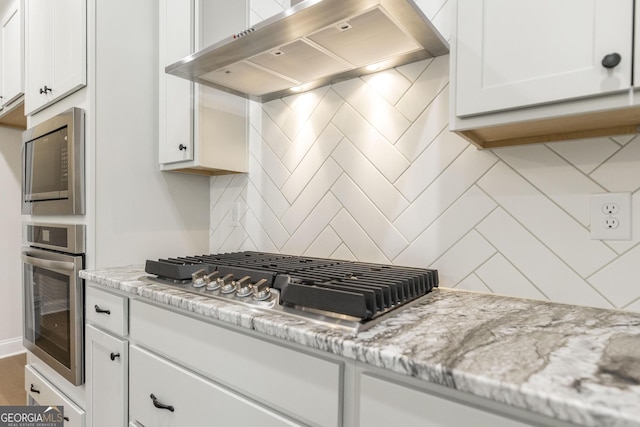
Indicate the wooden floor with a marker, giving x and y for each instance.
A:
(12, 380)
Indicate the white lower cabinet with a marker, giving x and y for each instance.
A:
(106, 358)
(164, 394)
(383, 403)
(106, 378)
(303, 386)
(177, 369)
(42, 392)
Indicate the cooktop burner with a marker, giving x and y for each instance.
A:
(348, 294)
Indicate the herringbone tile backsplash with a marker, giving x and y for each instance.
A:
(367, 170)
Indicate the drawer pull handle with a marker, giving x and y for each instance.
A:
(160, 405)
(100, 310)
(114, 355)
(66, 418)
(34, 389)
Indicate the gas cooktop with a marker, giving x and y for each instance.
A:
(343, 294)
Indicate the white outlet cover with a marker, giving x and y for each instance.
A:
(598, 217)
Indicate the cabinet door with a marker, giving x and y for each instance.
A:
(42, 393)
(176, 94)
(39, 52)
(164, 394)
(511, 54)
(56, 51)
(383, 404)
(106, 379)
(70, 48)
(12, 54)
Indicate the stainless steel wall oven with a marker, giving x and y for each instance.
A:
(53, 296)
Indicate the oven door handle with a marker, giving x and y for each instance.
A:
(52, 265)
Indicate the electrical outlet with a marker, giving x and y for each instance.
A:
(610, 208)
(611, 223)
(611, 216)
(234, 215)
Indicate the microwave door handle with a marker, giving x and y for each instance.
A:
(51, 265)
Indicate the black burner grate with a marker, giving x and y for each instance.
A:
(357, 289)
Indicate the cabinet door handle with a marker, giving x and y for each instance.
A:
(100, 310)
(160, 405)
(114, 355)
(66, 418)
(45, 89)
(611, 60)
(34, 389)
(182, 147)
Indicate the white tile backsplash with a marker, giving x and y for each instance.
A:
(621, 171)
(367, 170)
(370, 180)
(463, 259)
(313, 160)
(450, 227)
(374, 223)
(380, 152)
(505, 279)
(619, 280)
(360, 244)
(558, 231)
(565, 185)
(374, 108)
(550, 274)
(444, 191)
(431, 82)
(586, 154)
(314, 192)
(431, 123)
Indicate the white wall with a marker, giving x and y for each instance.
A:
(10, 241)
(367, 170)
(140, 212)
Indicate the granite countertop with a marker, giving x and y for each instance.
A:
(572, 363)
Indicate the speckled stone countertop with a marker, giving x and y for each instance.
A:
(571, 363)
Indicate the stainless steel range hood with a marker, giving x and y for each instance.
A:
(312, 44)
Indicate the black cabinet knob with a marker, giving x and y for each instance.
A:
(160, 405)
(114, 355)
(611, 60)
(182, 147)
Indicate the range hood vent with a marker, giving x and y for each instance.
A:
(313, 44)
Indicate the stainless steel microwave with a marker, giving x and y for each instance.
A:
(53, 178)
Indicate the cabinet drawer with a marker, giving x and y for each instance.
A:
(188, 399)
(45, 394)
(384, 403)
(107, 310)
(297, 384)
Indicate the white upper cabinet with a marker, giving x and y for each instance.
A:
(201, 130)
(528, 72)
(56, 51)
(176, 111)
(520, 53)
(12, 69)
